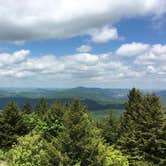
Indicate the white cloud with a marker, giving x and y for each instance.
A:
(104, 34)
(151, 69)
(89, 66)
(15, 73)
(150, 60)
(79, 69)
(84, 49)
(155, 54)
(19, 42)
(11, 59)
(82, 66)
(132, 49)
(40, 19)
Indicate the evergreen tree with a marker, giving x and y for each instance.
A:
(27, 109)
(129, 121)
(56, 111)
(52, 122)
(11, 125)
(83, 138)
(110, 129)
(154, 135)
(41, 108)
(141, 126)
(64, 136)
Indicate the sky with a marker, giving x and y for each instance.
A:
(90, 43)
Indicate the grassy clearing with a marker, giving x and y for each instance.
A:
(101, 114)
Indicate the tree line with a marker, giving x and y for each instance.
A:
(65, 134)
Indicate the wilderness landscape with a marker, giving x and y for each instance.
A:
(41, 127)
(83, 83)
(99, 101)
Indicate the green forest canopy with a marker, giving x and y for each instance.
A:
(65, 134)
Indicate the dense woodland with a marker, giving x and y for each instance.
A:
(65, 134)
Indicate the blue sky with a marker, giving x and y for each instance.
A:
(63, 44)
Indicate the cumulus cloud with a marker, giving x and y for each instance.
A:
(104, 34)
(155, 54)
(11, 59)
(132, 49)
(145, 54)
(40, 19)
(84, 48)
(82, 66)
(151, 69)
(150, 59)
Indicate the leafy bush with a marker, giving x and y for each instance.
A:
(114, 158)
(33, 150)
(141, 163)
(1, 155)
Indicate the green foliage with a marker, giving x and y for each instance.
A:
(11, 126)
(101, 115)
(27, 109)
(142, 127)
(83, 137)
(56, 111)
(33, 150)
(85, 144)
(141, 163)
(1, 155)
(41, 107)
(115, 158)
(63, 138)
(30, 120)
(48, 128)
(52, 123)
(65, 135)
(110, 129)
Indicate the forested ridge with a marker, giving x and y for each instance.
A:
(64, 134)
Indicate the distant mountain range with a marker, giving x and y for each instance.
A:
(79, 92)
(94, 98)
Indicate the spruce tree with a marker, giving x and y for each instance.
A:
(56, 111)
(41, 107)
(27, 109)
(11, 125)
(83, 138)
(141, 128)
(110, 129)
(53, 120)
(153, 135)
